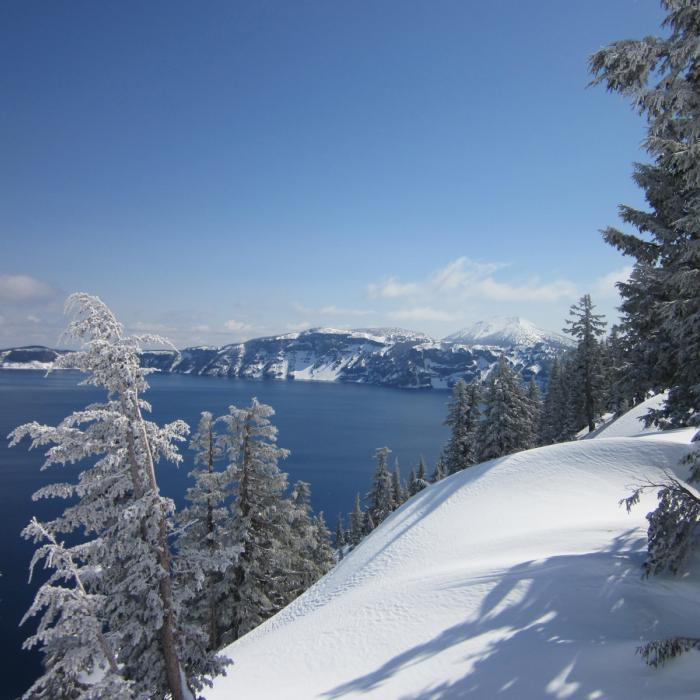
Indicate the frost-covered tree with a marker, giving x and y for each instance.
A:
(661, 304)
(257, 585)
(397, 486)
(71, 632)
(588, 389)
(463, 418)
(341, 535)
(534, 398)
(421, 477)
(205, 546)
(554, 425)
(507, 426)
(381, 497)
(116, 504)
(357, 527)
(439, 471)
(308, 550)
(322, 554)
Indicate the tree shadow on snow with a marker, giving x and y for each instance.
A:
(535, 621)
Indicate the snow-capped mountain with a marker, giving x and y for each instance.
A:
(507, 332)
(517, 579)
(382, 356)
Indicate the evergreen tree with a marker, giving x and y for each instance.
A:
(555, 408)
(463, 417)
(117, 502)
(412, 487)
(439, 471)
(322, 554)
(588, 391)
(205, 544)
(507, 424)
(661, 305)
(381, 497)
(256, 586)
(620, 393)
(534, 399)
(397, 487)
(357, 523)
(340, 533)
(308, 551)
(661, 77)
(71, 632)
(421, 476)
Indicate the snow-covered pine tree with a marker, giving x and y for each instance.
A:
(118, 504)
(534, 398)
(256, 586)
(356, 531)
(588, 390)
(463, 418)
(661, 304)
(340, 533)
(620, 394)
(507, 425)
(421, 477)
(397, 486)
(205, 548)
(381, 497)
(439, 471)
(661, 77)
(322, 554)
(71, 633)
(554, 407)
(308, 550)
(412, 486)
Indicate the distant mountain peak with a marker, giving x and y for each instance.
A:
(506, 331)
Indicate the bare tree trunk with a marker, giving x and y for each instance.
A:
(167, 630)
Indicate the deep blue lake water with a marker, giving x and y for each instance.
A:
(332, 431)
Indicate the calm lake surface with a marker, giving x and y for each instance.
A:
(332, 431)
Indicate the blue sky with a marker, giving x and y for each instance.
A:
(222, 170)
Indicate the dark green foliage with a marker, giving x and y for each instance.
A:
(588, 364)
(463, 417)
(508, 422)
(381, 497)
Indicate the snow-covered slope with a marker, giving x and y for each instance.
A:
(506, 332)
(631, 423)
(516, 579)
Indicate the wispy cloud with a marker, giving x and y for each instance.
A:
(331, 310)
(392, 289)
(604, 286)
(237, 326)
(21, 288)
(467, 279)
(422, 313)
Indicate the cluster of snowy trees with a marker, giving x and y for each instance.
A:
(505, 416)
(139, 602)
(660, 338)
(388, 492)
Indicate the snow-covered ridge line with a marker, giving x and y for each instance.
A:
(380, 356)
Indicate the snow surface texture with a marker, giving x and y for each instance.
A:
(517, 579)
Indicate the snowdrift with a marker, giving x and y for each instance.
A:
(517, 579)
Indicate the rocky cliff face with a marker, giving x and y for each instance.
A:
(386, 357)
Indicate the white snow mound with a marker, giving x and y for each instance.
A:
(518, 579)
